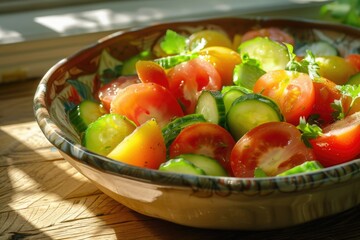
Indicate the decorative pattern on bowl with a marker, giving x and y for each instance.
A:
(208, 202)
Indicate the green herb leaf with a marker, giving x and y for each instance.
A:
(259, 173)
(309, 131)
(307, 65)
(338, 110)
(173, 43)
(345, 11)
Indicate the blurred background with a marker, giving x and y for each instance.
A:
(35, 34)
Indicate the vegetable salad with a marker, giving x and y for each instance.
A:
(256, 105)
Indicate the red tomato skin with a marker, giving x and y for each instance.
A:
(207, 139)
(268, 142)
(149, 71)
(325, 94)
(339, 143)
(273, 33)
(354, 59)
(292, 91)
(144, 101)
(188, 79)
(108, 92)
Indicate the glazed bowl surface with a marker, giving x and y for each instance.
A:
(197, 201)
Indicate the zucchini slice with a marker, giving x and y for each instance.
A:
(84, 114)
(249, 111)
(211, 105)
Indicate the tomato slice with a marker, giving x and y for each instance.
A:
(144, 147)
(274, 147)
(188, 79)
(273, 33)
(325, 94)
(205, 138)
(143, 101)
(340, 141)
(292, 91)
(108, 92)
(149, 71)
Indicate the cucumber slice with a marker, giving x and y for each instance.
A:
(171, 61)
(264, 49)
(246, 75)
(249, 111)
(180, 165)
(129, 65)
(319, 49)
(211, 105)
(308, 166)
(172, 129)
(354, 79)
(208, 164)
(84, 114)
(103, 135)
(230, 96)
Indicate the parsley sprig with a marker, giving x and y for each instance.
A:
(309, 131)
(348, 91)
(306, 65)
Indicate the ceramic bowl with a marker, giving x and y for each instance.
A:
(197, 201)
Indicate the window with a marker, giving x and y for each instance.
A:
(35, 34)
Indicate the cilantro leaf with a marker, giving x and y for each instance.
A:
(309, 131)
(173, 43)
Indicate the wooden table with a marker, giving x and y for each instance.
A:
(44, 197)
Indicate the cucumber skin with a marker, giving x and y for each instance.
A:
(210, 166)
(172, 129)
(84, 114)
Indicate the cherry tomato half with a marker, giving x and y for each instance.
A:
(335, 68)
(206, 138)
(224, 60)
(274, 147)
(292, 91)
(144, 101)
(108, 92)
(325, 94)
(149, 71)
(340, 141)
(188, 79)
(354, 59)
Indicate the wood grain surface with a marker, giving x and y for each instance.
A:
(44, 197)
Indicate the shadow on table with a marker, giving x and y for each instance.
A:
(52, 177)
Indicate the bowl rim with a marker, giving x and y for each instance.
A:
(297, 182)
